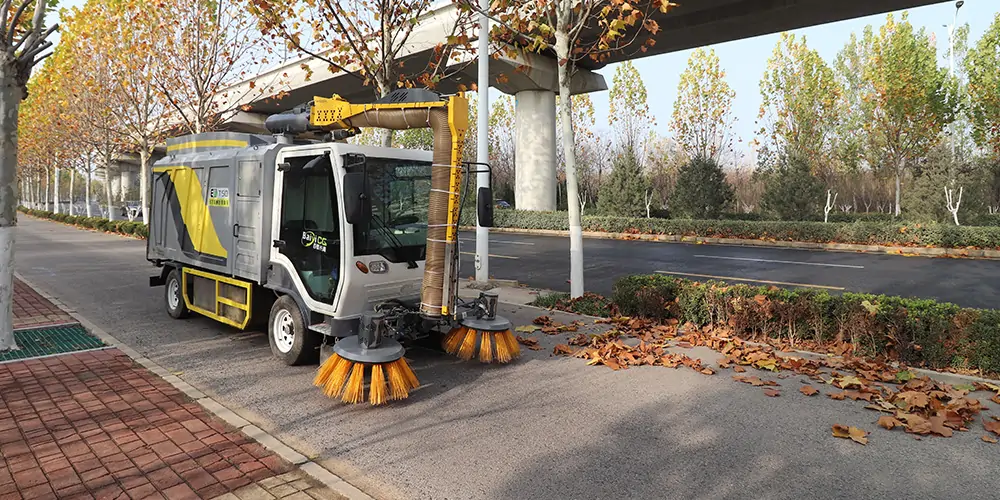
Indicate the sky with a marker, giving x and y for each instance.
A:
(744, 61)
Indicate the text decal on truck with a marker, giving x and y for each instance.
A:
(218, 197)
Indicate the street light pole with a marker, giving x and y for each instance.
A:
(483, 140)
(951, 65)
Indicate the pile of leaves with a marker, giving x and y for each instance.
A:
(917, 405)
(918, 332)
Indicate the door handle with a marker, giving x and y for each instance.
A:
(236, 230)
(279, 244)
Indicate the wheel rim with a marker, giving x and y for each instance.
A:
(283, 331)
(173, 295)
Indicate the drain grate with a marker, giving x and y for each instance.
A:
(37, 342)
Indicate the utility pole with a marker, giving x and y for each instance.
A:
(483, 140)
(951, 65)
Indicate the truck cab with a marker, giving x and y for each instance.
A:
(342, 254)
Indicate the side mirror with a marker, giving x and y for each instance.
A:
(357, 199)
(484, 207)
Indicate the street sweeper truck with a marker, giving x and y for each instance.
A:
(346, 253)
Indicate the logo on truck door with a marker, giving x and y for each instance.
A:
(218, 197)
(314, 241)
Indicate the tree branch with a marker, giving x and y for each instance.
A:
(15, 20)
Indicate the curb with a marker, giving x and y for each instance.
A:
(313, 469)
(961, 253)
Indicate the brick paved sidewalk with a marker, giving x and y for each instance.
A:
(31, 310)
(96, 425)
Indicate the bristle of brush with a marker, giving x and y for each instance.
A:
(354, 392)
(398, 385)
(335, 382)
(453, 340)
(486, 348)
(507, 348)
(326, 369)
(378, 393)
(468, 349)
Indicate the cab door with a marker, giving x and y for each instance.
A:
(308, 225)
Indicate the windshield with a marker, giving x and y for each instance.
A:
(400, 197)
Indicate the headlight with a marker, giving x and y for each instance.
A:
(378, 266)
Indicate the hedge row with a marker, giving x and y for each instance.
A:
(859, 232)
(132, 228)
(916, 331)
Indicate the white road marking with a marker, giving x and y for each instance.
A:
(508, 242)
(494, 256)
(766, 282)
(820, 264)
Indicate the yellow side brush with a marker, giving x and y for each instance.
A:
(489, 346)
(340, 377)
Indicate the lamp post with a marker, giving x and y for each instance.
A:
(482, 140)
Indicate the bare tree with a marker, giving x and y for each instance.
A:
(829, 205)
(953, 204)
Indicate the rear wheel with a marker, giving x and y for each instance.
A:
(176, 307)
(291, 341)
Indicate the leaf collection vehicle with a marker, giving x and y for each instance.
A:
(347, 253)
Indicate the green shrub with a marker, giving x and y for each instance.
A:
(919, 332)
(589, 304)
(142, 231)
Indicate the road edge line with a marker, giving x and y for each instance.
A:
(298, 459)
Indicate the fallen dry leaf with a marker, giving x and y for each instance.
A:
(852, 433)
(915, 423)
(542, 321)
(808, 390)
(992, 426)
(938, 426)
(888, 422)
(771, 393)
(529, 342)
(562, 350)
(989, 439)
(839, 396)
(739, 369)
(526, 329)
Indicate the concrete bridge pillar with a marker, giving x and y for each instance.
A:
(535, 150)
(129, 179)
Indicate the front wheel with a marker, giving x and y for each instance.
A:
(291, 341)
(176, 307)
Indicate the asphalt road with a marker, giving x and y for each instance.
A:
(543, 427)
(543, 262)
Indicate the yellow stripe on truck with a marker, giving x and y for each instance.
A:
(216, 143)
(196, 215)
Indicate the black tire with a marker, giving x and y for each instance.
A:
(173, 297)
(286, 321)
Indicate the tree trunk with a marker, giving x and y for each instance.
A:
(38, 190)
(144, 183)
(107, 186)
(10, 102)
(48, 200)
(90, 212)
(383, 90)
(569, 153)
(55, 191)
(897, 193)
(72, 179)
